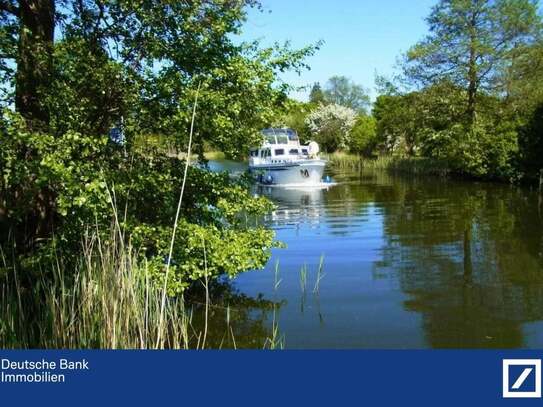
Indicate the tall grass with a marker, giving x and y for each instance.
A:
(343, 161)
(406, 165)
(108, 301)
(276, 340)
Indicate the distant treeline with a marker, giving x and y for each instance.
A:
(470, 95)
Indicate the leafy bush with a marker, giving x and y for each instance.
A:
(486, 150)
(363, 138)
(89, 182)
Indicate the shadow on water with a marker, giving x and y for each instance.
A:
(408, 263)
(235, 320)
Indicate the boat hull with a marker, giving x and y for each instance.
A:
(307, 172)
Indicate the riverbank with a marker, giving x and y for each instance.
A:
(341, 161)
(110, 301)
(409, 165)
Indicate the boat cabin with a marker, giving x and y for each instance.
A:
(279, 146)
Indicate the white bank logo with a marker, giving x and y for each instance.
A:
(522, 378)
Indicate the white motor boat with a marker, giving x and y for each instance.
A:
(282, 160)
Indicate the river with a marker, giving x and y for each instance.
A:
(406, 263)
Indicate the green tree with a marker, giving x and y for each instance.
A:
(531, 145)
(363, 138)
(316, 95)
(294, 117)
(342, 91)
(523, 80)
(470, 42)
(396, 123)
(165, 50)
(140, 64)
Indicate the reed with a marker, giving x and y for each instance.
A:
(108, 301)
(406, 165)
(276, 279)
(277, 340)
(303, 278)
(320, 275)
(343, 161)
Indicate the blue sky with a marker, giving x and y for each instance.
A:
(360, 37)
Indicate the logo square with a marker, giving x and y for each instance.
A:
(521, 378)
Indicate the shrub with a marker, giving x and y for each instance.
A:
(65, 185)
(363, 138)
(331, 126)
(485, 150)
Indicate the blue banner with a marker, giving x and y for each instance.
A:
(254, 378)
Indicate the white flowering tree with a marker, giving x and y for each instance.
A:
(331, 126)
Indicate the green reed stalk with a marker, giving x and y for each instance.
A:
(303, 278)
(276, 279)
(108, 301)
(320, 275)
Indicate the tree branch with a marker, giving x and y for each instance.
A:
(11, 8)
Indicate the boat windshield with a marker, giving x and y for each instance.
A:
(279, 136)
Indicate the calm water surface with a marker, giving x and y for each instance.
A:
(408, 263)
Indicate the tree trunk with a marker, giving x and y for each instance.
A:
(35, 57)
(472, 70)
(472, 95)
(32, 86)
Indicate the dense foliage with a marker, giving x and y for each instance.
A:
(363, 135)
(138, 67)
(475, 97)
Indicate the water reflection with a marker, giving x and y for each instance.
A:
(408, 263)
(235, 319)
(470, 261)
(294, 205)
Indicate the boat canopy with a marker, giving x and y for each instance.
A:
(279, 136)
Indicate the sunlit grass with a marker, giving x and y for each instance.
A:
(108, 301)
(407, 165)
(214, 155)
